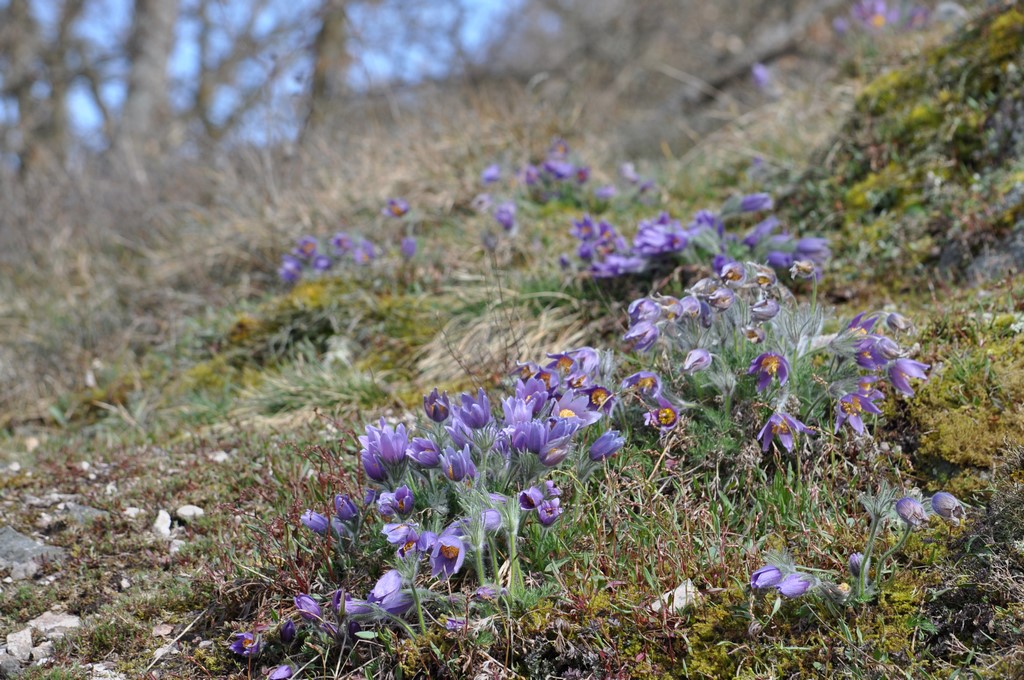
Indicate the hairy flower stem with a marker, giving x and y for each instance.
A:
(866, 562)
(515, 574)
(889, 553)
(419, 608)
(481, 573)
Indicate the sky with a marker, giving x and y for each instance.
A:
(382, 51)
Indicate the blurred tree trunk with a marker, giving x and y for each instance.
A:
(149, 51)
(330, 63)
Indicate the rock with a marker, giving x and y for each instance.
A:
(102, 671)
(53, 625)
(163, 630)
(220, 456)
(679, 599)
(9, 666)
(133, 512)
(176, 545)
(31, 444)
(43, 651)
(81, 514)
(162, 525)
(23, 555)
(187, 513)
(19, 645)
(14, 467)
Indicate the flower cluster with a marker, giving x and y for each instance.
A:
(874, 16)
(743, 333)
(604, 253)
(883, 508)
(460, 487)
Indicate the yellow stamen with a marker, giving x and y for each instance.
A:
(450, 552)
(566, 413)
(666, 416)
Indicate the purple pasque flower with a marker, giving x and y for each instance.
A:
(582, 174)
(364, 253)
(756, 202)
(388, 594)
(627, 171)
(866, 387)
(867, 354)
(575, 405)
(396, 207)
(306, 247)
(696, 360)
(761, 75)
(341, 243)
(599, 398)
(863, 323)
(550, 490)
(850, 408)
(794, 585)
(607, 445)
(457, 465)
(767, 576)
(764, 310)
(424, 452)
(308, 608)
(761, 231)
(287, 632)
(645, 382)
(321, 262)
(400, 501)
(390, 443)
(437, 406)
(290, 270)
(530, 175)
(948, 507)
(584, 228)
(616, 265)
(505, 215)
(874, 15)
(643, 309)
(491, 174)
(448, 554)
(779, 259)
(722, 298)
(783, 426)
(642, 336)
(549, 511)
(734, 273)
(408, 247)
(903, 369)
(664, 417)
(855, 563)
(605, 192)
(911, 511)
(315, 522)
(282, 672)
(767, 366)
(246, 644)
(812, 248)
(490, 519)
(559, 148)
(455, 625)
(754, 334)
(530, 498)
(534, 392)
(344, 508)
(898, 323)
(659, 237)
(475, 413)
(400, 533)
(558, 169)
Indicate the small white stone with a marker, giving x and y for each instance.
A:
(162, 525)
(53, 625)
(31, 444)
(679, 599)
(110, 489)
(19, 645)
(187, 513)
(220, 456)
(42, 652)
(125, 584)
(14, 467)
(84, 465)
(176, 545)
(133, 512)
